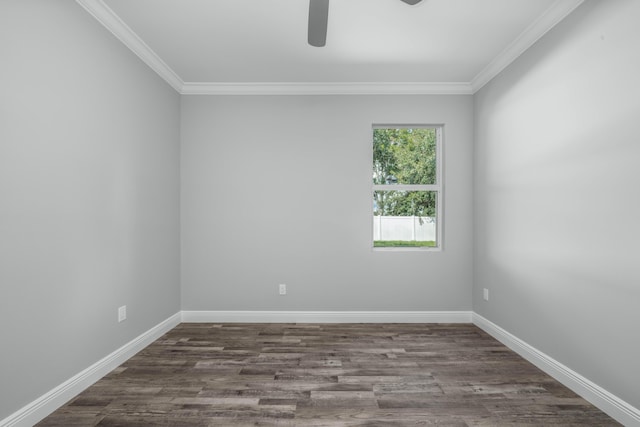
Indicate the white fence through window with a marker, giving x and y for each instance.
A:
(406, 228)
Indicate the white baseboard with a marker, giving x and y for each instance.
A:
(617, 408)
(613, 406)
(49, 402)
(327, 316)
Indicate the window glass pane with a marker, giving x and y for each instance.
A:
(404, 156)
(404, 218)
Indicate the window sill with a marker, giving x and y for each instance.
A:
(406, 249)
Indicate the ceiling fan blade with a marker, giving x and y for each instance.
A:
(411, 2)
(318, 16)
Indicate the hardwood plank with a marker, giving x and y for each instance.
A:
(201, 375)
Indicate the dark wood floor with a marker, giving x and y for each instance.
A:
(327, 375)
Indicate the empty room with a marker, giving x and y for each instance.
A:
(319, 213)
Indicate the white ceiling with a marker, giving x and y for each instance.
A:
(222, 46)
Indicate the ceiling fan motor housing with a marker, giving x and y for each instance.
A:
(318, 18)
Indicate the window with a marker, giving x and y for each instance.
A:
(407, 187)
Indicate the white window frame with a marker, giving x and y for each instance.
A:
(438, 187)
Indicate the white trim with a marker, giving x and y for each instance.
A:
(406, 249)
(438, 188)
(326, 88)
(440, 159)
(612, 405)
(112, 22)
(327, 316)
(549, 19)
(406, 187)
(35, 411)
(49, 402)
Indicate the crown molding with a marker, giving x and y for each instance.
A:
(326, 88)
(112, 22)
(549, 19)
(108, 18)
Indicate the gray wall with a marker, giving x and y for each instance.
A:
(557, 204)
(89, 196)
(299, 169)
(90, 199)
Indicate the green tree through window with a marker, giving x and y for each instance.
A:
(405, 176)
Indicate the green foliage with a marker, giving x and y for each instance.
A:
(405, 203)
(404, 156)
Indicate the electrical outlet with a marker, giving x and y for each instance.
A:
(122, 313)
(282, 289)
(485, 294)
